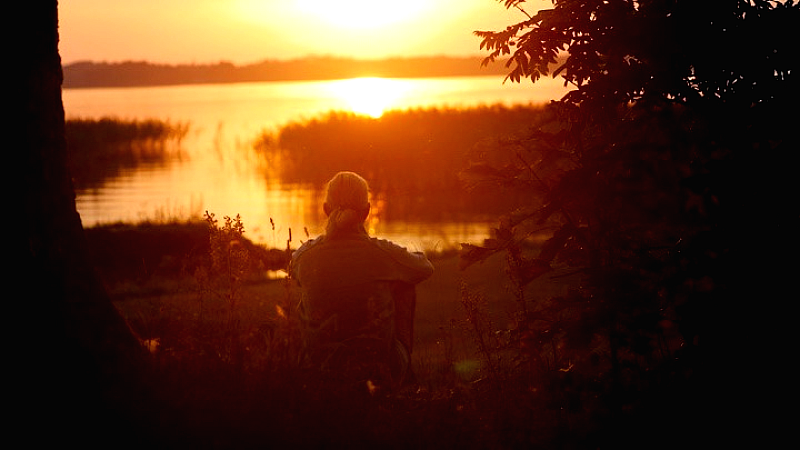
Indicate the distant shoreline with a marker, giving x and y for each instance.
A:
(88, 74)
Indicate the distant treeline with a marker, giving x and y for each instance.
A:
(140, 73)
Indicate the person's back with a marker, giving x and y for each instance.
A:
(351, 283)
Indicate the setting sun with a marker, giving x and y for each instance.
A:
(246, 31)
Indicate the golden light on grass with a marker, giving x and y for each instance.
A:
(370, 96)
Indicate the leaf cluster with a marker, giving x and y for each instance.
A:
(615, 51)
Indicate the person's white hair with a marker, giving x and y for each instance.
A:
(346, 203)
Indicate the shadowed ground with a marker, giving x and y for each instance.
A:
(224, 354)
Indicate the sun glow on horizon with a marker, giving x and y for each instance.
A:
(370, 96)
(248, 31)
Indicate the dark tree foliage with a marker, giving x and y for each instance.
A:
(662, 179)
(624, 50)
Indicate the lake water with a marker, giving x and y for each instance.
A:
(216, 169)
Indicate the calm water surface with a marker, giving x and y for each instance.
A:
(217, 171)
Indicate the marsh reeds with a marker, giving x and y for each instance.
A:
(411, 157)
(101, 148)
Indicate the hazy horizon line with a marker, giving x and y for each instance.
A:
(145, 73)
(310, 56)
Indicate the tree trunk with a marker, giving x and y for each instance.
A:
(80, 366)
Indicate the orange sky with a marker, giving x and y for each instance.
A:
(247, 31)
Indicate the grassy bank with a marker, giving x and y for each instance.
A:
(225, 370)
(223, 339)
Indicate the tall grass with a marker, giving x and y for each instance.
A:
(411, 157)
(101, 148)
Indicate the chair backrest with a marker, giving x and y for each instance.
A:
(359, 339)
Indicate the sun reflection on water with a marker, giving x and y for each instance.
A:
(218, 174)
(370, 96)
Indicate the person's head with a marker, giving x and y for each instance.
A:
(346, 203)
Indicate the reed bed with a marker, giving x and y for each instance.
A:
(412, 158)
(100, 148)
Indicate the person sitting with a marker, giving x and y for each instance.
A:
(357, 293)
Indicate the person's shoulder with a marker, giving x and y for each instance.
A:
(387, 245)
(308, 245)
(401, 253)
